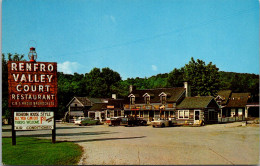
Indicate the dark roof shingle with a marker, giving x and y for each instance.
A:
(195, 102)
(238, 100)
(173, 94)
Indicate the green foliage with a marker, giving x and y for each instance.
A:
(11, 57)
(32, 151)
(175, 78)
(204, 79)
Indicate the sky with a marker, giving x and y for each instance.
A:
(136, 38)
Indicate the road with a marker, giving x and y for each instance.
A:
(228, 144)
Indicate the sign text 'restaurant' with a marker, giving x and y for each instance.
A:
(32, 84)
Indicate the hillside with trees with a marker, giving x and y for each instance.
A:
(205, 79)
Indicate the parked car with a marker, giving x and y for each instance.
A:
(161, 123)
(132, 121)
(89, 121)
(78, 121)
(116, 121)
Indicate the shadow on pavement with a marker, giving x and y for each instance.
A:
(106, 139)
(66, 134)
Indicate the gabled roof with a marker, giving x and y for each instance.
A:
(117, 103)
(97, 100)
(98, 107)
(224, 95)
(85, 100)
(198, 102)
(173, 94)
(238, 100)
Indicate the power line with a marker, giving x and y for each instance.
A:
(170, 32)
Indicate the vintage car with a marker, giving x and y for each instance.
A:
(116, 121)
(78, 120)
(161, 123)
(132, 121)
(89, 121)
(129, 121)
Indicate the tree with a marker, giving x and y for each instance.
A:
(102, 83)
(11, 57)
(175, 78)
(204, 79)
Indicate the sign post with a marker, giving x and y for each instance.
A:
(32, 85)
(13, 131)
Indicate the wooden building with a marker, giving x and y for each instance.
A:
(234, 106)
(197, 110)
(154, 103)
(79, 106)
(104, 111)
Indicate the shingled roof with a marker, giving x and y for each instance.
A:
(117, 103)
(195, 102)
(238, 100)
(173, 94)
(86, 100)
(224, 94)
(98, 107)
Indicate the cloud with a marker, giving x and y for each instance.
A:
(113, 19)
(110, 18)
(68, 67)
(154, 68)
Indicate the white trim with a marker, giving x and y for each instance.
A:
(79, 102)
(164, 94)
(73, 100)
(146, 94)
(183, 114)
(199, 114)
(219, 97)
(70, 101)
(131, 95)
(181, 96)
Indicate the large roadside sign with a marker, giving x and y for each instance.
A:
(35, 120)
(32, 84)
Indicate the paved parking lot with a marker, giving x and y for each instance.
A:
(217, 144)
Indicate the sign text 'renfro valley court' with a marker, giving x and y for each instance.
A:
(32, 84)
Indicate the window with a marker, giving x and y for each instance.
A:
(183, 114)
(147, 99)
(76, 105)
(163, 99)
(132, 100)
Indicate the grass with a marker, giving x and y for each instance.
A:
(33, 151)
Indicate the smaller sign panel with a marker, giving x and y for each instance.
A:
(110, 106)
(33, 120)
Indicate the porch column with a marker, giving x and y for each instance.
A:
(164, 114)
(221, 115)
(139, 113)
(69, 115)
(246, 112)
(148, 116)
(131, 113)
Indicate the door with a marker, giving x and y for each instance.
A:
(196, 116)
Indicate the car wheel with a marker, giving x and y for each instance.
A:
(153, 126)
(163, 125)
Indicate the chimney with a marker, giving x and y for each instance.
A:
(131, 88)
(113, 96)
(188, 90)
